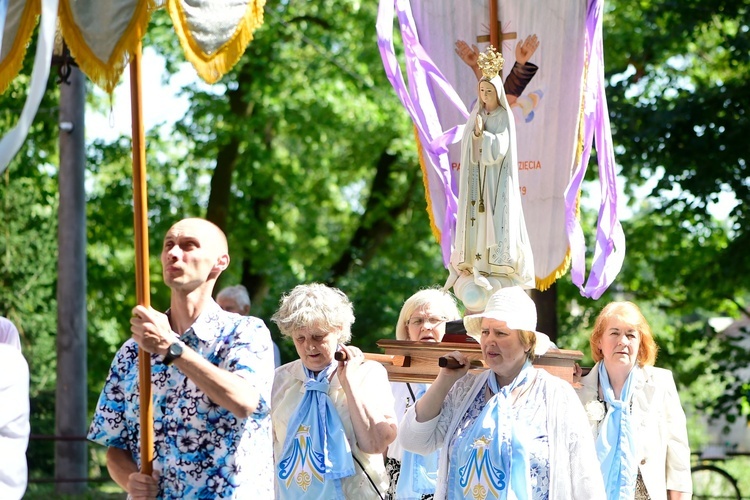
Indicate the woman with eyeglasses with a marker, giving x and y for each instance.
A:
(422, 319)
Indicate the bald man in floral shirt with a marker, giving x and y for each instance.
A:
(212, 373)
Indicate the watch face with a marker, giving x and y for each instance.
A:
(175, 350)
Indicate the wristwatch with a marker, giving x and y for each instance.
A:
(173, 352)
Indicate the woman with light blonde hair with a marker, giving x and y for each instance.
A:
(422, 319)
(420, 307)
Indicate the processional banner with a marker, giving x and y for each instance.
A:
(102, 35)
(556, 96)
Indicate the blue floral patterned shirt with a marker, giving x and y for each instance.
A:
(201, 450)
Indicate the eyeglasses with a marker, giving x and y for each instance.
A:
(418, 321)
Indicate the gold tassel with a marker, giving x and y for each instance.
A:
(13, 60)
(105, 74)
(544, 283)
(212, 67)
(435, 230)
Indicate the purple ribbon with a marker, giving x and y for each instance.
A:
(420, 103)
(609, 252)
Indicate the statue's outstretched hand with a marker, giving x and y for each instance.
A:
(526, 48)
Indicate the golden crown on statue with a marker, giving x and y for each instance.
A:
(490, 62)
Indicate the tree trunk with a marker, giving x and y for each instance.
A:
(226, 159)
(546, 311)
(377, 221)
(221, 184)
(256, 284)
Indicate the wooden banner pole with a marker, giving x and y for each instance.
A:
(142, 279)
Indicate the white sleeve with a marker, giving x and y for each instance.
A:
(426, 437)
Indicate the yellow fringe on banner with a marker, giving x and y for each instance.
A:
(435, 230)
(544, 283)
(212, 67)
(12, 63)
(105, 74)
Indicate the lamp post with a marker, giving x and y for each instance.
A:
(71, 458)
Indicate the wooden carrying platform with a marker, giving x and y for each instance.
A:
(409, 361)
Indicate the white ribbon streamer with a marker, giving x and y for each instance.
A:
(13, 140)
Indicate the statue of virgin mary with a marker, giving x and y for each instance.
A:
(491, 240)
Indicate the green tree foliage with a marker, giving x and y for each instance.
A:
(679, 109)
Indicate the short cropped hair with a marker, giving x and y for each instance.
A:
(631, 314)
(316, 305)
(237, 293)
(434, 297)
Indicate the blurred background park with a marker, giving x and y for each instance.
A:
(307, 158)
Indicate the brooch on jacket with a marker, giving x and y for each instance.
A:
(595, 410)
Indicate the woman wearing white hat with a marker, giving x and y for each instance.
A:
(512, 431)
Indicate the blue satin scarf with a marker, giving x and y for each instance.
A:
(418, 474)
(490, 459)
(316, 453)
(615, 445)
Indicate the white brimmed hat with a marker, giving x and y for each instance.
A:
(513, 306)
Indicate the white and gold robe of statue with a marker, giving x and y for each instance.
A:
(493, 242)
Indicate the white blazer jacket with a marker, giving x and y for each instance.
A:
(662, 448)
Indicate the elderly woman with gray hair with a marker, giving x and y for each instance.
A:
(512, 431)
(328, 415)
